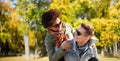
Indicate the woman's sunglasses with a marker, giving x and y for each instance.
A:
(57, 25)
(53, 30)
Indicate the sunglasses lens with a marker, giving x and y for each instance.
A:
(78, 33)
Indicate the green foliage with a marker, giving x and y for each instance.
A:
(30, 13)
(104, 15)
(10, 31)
(66, 8)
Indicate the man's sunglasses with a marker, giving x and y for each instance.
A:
(78, 33)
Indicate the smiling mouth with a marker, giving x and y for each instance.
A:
(53, 30)
(56, 32)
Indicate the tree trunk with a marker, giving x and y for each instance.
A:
(115, 49)
(102, 52)
(110, 50)
(36, 45)
(35, 48)
(26, 47)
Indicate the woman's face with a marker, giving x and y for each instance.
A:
(56, 27)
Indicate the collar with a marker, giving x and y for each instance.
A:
(75, 46)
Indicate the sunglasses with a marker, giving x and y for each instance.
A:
(53, 30)
(78, 33)
(57, 25)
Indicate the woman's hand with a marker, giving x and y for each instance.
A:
(66, 45)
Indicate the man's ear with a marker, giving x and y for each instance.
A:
(89, 37)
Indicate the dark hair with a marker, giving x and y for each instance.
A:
(89, 29)
(49, 17)
(93, 59)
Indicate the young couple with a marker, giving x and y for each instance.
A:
(63, 43)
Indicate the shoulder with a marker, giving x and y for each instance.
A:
(67, 26)
(71, 41)
(93, 39)
(49, 38)
(68, 29)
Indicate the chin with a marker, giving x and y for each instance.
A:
(56, 35)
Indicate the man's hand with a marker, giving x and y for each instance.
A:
(66, 45)
(93, 45)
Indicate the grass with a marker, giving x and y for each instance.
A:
(105, 58)
(22, 58)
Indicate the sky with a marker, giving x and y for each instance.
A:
(11, 2)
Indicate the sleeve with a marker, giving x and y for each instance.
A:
(72, 30)
(93, 41)
(95, 51)
(54, 55)
(69, 31)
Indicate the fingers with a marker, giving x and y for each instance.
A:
(93, 45)
(66, 45)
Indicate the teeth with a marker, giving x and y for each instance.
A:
(56, 32)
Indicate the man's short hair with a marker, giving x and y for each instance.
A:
(89, 29)
(49, 17)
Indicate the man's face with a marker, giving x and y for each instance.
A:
(56, 27)
(81, 36)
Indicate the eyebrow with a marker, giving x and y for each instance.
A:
(58, 23)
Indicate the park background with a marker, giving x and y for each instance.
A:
(22, 34)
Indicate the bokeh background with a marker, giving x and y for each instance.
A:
(20, 21)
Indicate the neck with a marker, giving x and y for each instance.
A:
(81, 43)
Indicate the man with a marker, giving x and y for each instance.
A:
(57, 32)
(81, 45)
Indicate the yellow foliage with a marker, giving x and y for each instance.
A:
(113, 11)
(106, 31)
(31, 39)
(14, 24)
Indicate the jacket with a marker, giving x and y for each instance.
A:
(80, 53)
(53, 54)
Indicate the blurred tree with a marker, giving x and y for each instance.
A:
(104, 15)
(66, 7)
(30, 12)
(104, 31)
(11, 33)
(4, 34)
